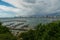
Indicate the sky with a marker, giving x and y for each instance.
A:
(11, 8)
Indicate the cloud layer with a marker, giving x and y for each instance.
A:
(29, 7)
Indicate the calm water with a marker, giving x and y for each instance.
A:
(31, 21)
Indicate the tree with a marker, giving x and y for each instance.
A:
(49, 31)
(5, 34)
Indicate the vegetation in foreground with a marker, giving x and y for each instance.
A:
(49, 31)
(5, 34)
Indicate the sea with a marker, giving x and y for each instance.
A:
(31, 21)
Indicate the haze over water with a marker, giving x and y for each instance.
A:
(31, 21)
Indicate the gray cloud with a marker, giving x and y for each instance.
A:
(33, 7)
(43, 6)
(30, 1)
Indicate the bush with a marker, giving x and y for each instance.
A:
(7, 37)
(49, 31)
(5, 34)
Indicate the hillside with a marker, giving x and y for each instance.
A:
(5, 34)
(49, 31)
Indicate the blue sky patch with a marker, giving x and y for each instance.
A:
(6, 4)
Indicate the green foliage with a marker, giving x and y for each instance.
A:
(49, 31)
(5, 34)
(25, 35)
